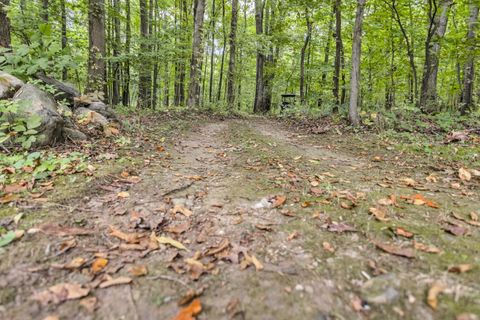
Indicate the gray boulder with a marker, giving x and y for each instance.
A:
(87, 116)
(35, 102)
(103, 109)
(9, 85)
(74, 134)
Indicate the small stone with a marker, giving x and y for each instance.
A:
(299, 287)
(309, 289)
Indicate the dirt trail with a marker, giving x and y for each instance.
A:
(227, 174)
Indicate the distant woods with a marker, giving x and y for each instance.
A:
(243, 54)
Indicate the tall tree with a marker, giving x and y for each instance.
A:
(212, 52)
(260, 104)
(63, 11)
(436, 31)
(45, 7)
(306, 42)
(96, 48)
(126, 66)
(469, 68)
(197, 55)
(116, 53)
(144, 85)
(338, 54)
(232, 56)
(353, 115)
(5, 39)
(222, 63)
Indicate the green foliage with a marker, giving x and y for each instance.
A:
(16, 128)
(41, 165)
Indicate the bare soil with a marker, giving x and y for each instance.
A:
(230, 174)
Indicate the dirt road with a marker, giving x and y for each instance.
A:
(276, 225)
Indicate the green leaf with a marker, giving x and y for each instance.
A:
(7, 238)
(34, 122)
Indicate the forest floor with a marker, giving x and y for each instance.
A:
(269, 223)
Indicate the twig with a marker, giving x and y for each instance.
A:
(5, 149)
(181, 188)
(132, 300)
(183, 283)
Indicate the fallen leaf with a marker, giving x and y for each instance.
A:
(127, 237)
(188, 296)
(73, 264)
(89, 303)
(419, 200)
(425, 248)
(346, 205)
(7, 238)
(409, 182)
(123, 194)
(379, 214)
(224, 244)
(455, 229)
(293, 235)
(9, 198)
(473, 216)
(190, 311)
(279, 201)
(98, 265)
(460, 268)
(172, 242)
(391, 200)
(56, 230)
(396, 250)
(61, 292)
(138, 270)
(403, 232)
(264, 227)
(431, 178)
(115, 282)
(432, 297)
(339, 227)
(181, 209)
(464, 174)
(178, 228)
(328, 247)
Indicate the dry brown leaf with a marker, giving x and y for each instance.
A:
(9, 198)
(89, 303)
(464, 174)
(172, 242)
(181, 209)
(115, 282)
(293, 235)
(473, 216)
(55, 229)
(425, 248)
(61, 292)
(460, 268)
(379, 214)
(251, 260)
(138, 270)
(328, 247)
(455, 229)
(432, 297)
(339, 227)
(264, 227)
(98, 265)
(127, 237)
(419, 200)
(73, 264)
(178, 228)
(396, 250)
(189, 312)
(431, 178)
(188, 296)
(346, 205)
(403, 232)
(123, 194)
(409, 182)
(224, 244)
(279, 201)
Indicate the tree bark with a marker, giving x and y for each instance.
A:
(355, 76)
(212, 52)
(469, 68)
(126, 71)
(116, 53)
(144, 77)
(197, 55)
(302, 57)
(327, 54)
(260, 103)
(63, 12)
(45, 6)
(436, 31)
(231, 62)
(338, 54)
(222, 63)
(5, 38)
(96, 57)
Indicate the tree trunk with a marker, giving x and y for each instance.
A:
(338, 54)
(5, 38)
(260, 103)
(212, 52)
(327, 53)
(411, 58)
(222, 63)
(116, 53)
(436, 31)
(44, 11)
(469, 68)
(197, 55)
(355, 76)
(96, 57)
(126, 71)
(63, 12)
(231, 62)
(144, 79)
(302, 58)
